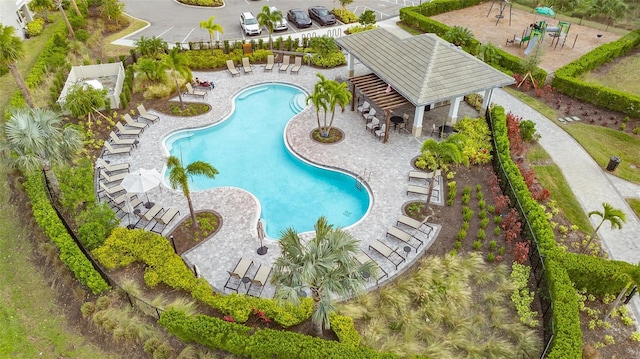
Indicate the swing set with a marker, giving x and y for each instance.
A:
(501, 7)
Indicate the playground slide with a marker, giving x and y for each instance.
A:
(532, 43)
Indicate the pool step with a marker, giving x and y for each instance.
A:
(298, 102)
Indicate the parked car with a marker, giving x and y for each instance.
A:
(281, 25)
(321, 15)
(249, 24)
(299, 18)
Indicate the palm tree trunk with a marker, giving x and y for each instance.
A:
(193, 213)
(593, 235)
(54, 185)
(316, 329)
(211, 44)
(616, 302)
(178, 89)
(21, 84)
(66, 20)
(75, 7)
(431, 185)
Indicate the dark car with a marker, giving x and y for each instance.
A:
(322, 15)
(299, 18)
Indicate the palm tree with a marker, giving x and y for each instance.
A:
(212, 27)
(324, 264)
(35, 140)
(437, 156)
(11, 51)
(150, 46)
(177, 62)
(269, 20)
(66, 19)
(614, 215)
(179, 177)
(458, 35)
(326, 96)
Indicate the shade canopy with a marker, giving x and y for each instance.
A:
(545, 11)
(141, 180)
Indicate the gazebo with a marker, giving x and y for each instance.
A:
(422, 70)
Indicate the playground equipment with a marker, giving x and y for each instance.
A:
(501, 7)
(559, 32)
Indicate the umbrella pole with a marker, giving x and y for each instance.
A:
(263, 249)
(149, 204)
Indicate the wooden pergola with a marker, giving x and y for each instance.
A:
(380, 93)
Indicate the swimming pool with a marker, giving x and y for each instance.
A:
(249, 152)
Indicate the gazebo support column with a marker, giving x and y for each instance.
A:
(353, 97)
(418, 115)
(486, 101)
(350, 65)
(387, 120)
(453, 110)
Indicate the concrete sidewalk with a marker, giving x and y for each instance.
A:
(591, 184)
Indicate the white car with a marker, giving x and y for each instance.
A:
(281, 25)
(249, 24)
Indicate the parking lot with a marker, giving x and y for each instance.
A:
(178, 23)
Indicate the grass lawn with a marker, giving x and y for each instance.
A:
(31, 325)
(115, 50)
(635, 205)
(545, 110)
(623, 76)
(602, 143)
(552, 179)
(537, 154)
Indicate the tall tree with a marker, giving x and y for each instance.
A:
(11, 51)
(438, 156)
(324, 264)
(34, 139)
(609, 214)
(179, 177)
(326, 96)
(66, 19)
(211, 28)
(269, 19)
(177, 63)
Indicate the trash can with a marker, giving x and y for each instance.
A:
(614, 161)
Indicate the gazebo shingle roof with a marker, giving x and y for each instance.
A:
(424, 69)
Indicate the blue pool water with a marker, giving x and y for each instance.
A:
(249, 152)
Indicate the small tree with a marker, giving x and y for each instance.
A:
(112, 10)
(325, 265)
(84, 100)
(613, 215)
(212, 27)
(11, 51)
(344, 3)
(269, 20)
(368, 17)
(179, 177)
(326, 96)
(459, 36)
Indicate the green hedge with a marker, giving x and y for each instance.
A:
(567, 79)
(598, 275)
(70, 253)
(125, 247)
(417, 16)
(261, 343)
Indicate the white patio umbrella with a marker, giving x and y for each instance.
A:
(141, 181)
(263, 249)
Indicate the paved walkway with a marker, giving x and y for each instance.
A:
(591, 184)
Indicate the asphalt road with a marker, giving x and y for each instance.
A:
(175, 22)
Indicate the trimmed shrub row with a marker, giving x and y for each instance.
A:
(70, 253)
(261, 343)
(417, 16)
(567, 79)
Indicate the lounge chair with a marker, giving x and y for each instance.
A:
(423, 175)
(285, 63)
(121, 141)
(403, 125)
(369, 115)
(417, 225)
(236, 277)
(135, 124)
(112, 179)
(120, 200)
(407, 238)
(362, 258)
(373, 124)
(391, 254)
(133, 203)
(270, 63)
(232, 68)
(123, 131)
(192, 92)
(146, 115)
(246, 66)
(422, 190)
(364, 108)
(259, 280)
(149, 215)
(111, 168)
(109, 150)
(381, 131)
(297, 65)
(164, 219)
(110, 190)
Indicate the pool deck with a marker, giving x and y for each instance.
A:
(386, 165)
